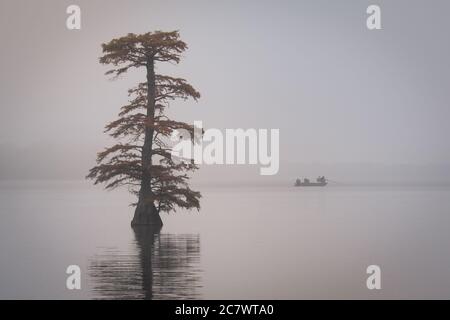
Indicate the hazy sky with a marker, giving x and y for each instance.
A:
(337, 91)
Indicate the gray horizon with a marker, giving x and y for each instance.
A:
(340, 94)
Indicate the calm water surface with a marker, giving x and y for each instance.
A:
(246, 243)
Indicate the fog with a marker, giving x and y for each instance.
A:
(366, 109)
(353, 104)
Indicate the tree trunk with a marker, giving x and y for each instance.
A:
(146, 212)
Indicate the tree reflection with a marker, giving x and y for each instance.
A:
(158, 266)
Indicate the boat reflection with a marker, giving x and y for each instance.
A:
(158, 266)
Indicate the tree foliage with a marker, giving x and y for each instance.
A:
(141, 159)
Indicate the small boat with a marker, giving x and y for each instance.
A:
(320, 182)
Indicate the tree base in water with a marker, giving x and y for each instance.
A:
(146, 215)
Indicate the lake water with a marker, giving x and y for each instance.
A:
(246, 243)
